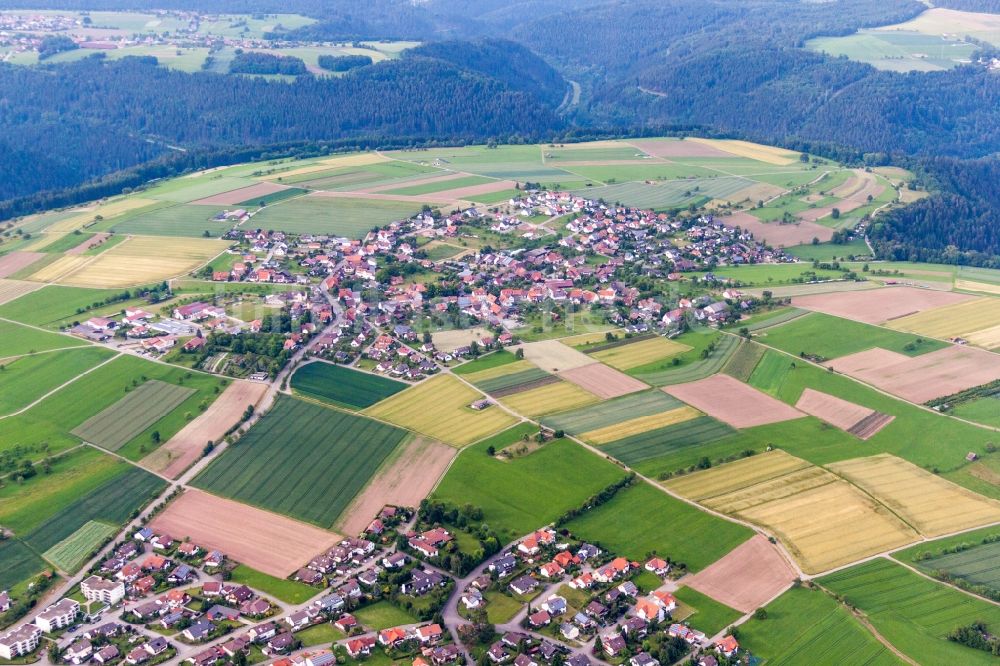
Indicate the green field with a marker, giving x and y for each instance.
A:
(830, 251)
(117, 425)
(831, 337)
(288, 591)
(28, 378)
(770, 318)
(16, 339)
(19, 563)
(766, 275)
(441, 186)
(342, 386)
(509, 491)
(610, 412)
(663, 441)
(302, 460)
(72, 552)
(180, 220)
(511, 381)
(383, 615)
(691, 366)
(273, 197)
(642, 519)
(336, 216)
(971, 557)
(802, 624)
(743, 361)
(897, 50)
(669, 194)
(51, 307)
(983, 410)
(913, 613)
(186, 190)
(710, 616)
(320, 634)
(66, 242)
(487, 362)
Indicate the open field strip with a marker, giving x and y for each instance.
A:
(731, 401)
(603, 381)
(949, 321)
(140, 260)
(640, 425)
(849, 417)
(584, 340)
(343, 386)
(747, 577)
(302, 460)
(929, 503)
(19, 563)
(108, 211)
(486, 375)
(874, 306)
(634, 354)
(553, 355)
(17, 340)
(982, 287)
(987, 338)
(486, 362)
(449, 341)
(115, 426)
(975, 564)
(754, 151)
(440, 408)
(28, 378)
(663, 441)
(611, 412)
(548, 399)
(331, 163)
(60, 269)
(72, 552)
(14, 289)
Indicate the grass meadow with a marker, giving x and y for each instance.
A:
(28, 378)
(16, 340)
(332, 215)
(343, 386)
(710, 616)
(288, 591)
(832, 337)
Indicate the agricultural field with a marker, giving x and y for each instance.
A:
(342, 386)
(913, 613)
(965, 319)
(487, 362)
(179, 220)
(28, 378)
(14, 289)
(72, 552)
(338, 216)
(731, 401)
(289, 591)
(690, 365)
(302, 460)
(710, 616)
(651, 445)
(506, 378)
(16, 340)
(440, 408)
(640, 425)
(641, 520)
(548, 399)
(876, 306)
(508, 491)
(611, 412)
(54, 306)
(747, 577)
(19, 563)
(822, 335)
(855, 419)
(743, 361)
(117, 425)
(638, 353)
(603, 381)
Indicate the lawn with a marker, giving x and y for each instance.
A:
(302, 460)
(501, 609)
(117, 425)
(383, 615)
(16, 339)
(288, 591)
(913, 613)
(832, 337)
(342, 386)
(72, 552)
(28, 378)
(320, 634)
(509, 492)
(333, 215)
(642, 519)
(710, 616)
(802, 624)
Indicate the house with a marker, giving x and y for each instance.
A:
(629, 589)
(657, 566)
(524, 660)
(321, 658)
(504, 565)
(524, 585)
(299, 620)
(213, 559)
(181, 575)
(550, 570)
(395, 560)
(635, 626)
(569, 631)
(263, 632)
(20, 641)
(649, 610)
(445, 654)
(540, 619)
(728, 646)
(578, 660)
(429, 634)
(79, 651)
(107, 654)
(308, 576)
(390, 637)
(188, 549)
(95, 588)
(58, 615)
(199, 630)
(472, 598)
(664, 599)
(423, 547)
(643, 659)
(555, 605)
(218, 612)
(422, 581)
(498, 653)
(346, 623)
(280, 643)
(613, 645)
(4, 601)
(596, 610)
(138, 655)
(357, 647)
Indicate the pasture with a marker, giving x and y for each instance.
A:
(640, 520)
(73, 552)
(16, 340)
(825, 336)
(440, 408)
(508, 491)
(548, 399)
(653, 444)
(28, 378)
(117, 425)
(913, 613)
(302, 460)
(642, 352)
(342, 386)
(338, 216)
(289, 591)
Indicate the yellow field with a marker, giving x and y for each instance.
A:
(439, 408)
(639, 425)
(932, 505)
(107, 211)
(983, 287)
(11, 289)
(549, 399)
(60, 269)
(949, 321)
(41, 240)
(332, 163)
(753, 151)
(733, 476)
(552, 355)
(499, 371)
(595, 338)
(141, 260)
(988, 338)
(626, 357)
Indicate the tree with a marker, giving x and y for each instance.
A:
(491, 451)
(835, 213)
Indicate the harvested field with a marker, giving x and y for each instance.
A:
(233, 197)
(640, 425)
(988, 338)
(753, 151)
(332, 163)
(931, 504)
(855, 419)
(141, 260)
(553, 356)
(777, 234)
(757, 192)
(59, 269)
(748, 577)
(733, 402)
(186, 446)
(440, 408)
(603, 381)
(983, 287)
(878, 305)
(93, 241)
(583, 341)
(548, 399)
(634, 354)
(923, 377)
(404, 479)
(13, 289)
(678, 148)
(809, 289)
(611, 412)
(16, 261)
(276, 545)
(957, 320)
(449, 341)
(115, 426)
(470, 192)
(107, 210)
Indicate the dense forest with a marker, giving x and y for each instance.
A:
(266, 63)
(343, 63)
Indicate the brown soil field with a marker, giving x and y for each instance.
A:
(814, 288)
(603, 381)
(11, 289)
(855, 419)
(259, 539)
(875, 306)
(552, 355)
(677, 148)
(405, 479)
(233, 197)
(923, 377)
(184, 448)
(733, 402)
(435, 178)
(784, 235)
(15, 261)
(747, 578)
(93, 241)
(472, 191)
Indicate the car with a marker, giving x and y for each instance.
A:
(72, 629)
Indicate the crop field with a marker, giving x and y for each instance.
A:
(14, 262)
(602, 380)
(302, 460)
(823, 521)
(692, 366)
(115, 426)
(641, 519)
(731, 401)
(178, 220)
(663, 441)
(669, 194)
(28, 378)
(640, 425)
(913, 613)
(553, 356)
(949, 321)
(929, 503)
(830, 337)
(634, 354)
(16, 340)
(109, 210)
(343, 386)
(440, 408)
(251, 193)
(13, 289)
(58, 270)
(977, 564)
(507, 491)
(440, 185)
(19, 563)
(72, 552)
(710, 616)
(142, 260)
(747, 577)
(743, 361)
(803, 623)
(187, 189)
(548, 399)
(848, 416)
(317, 214)
(507, 378)
(610, 412)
